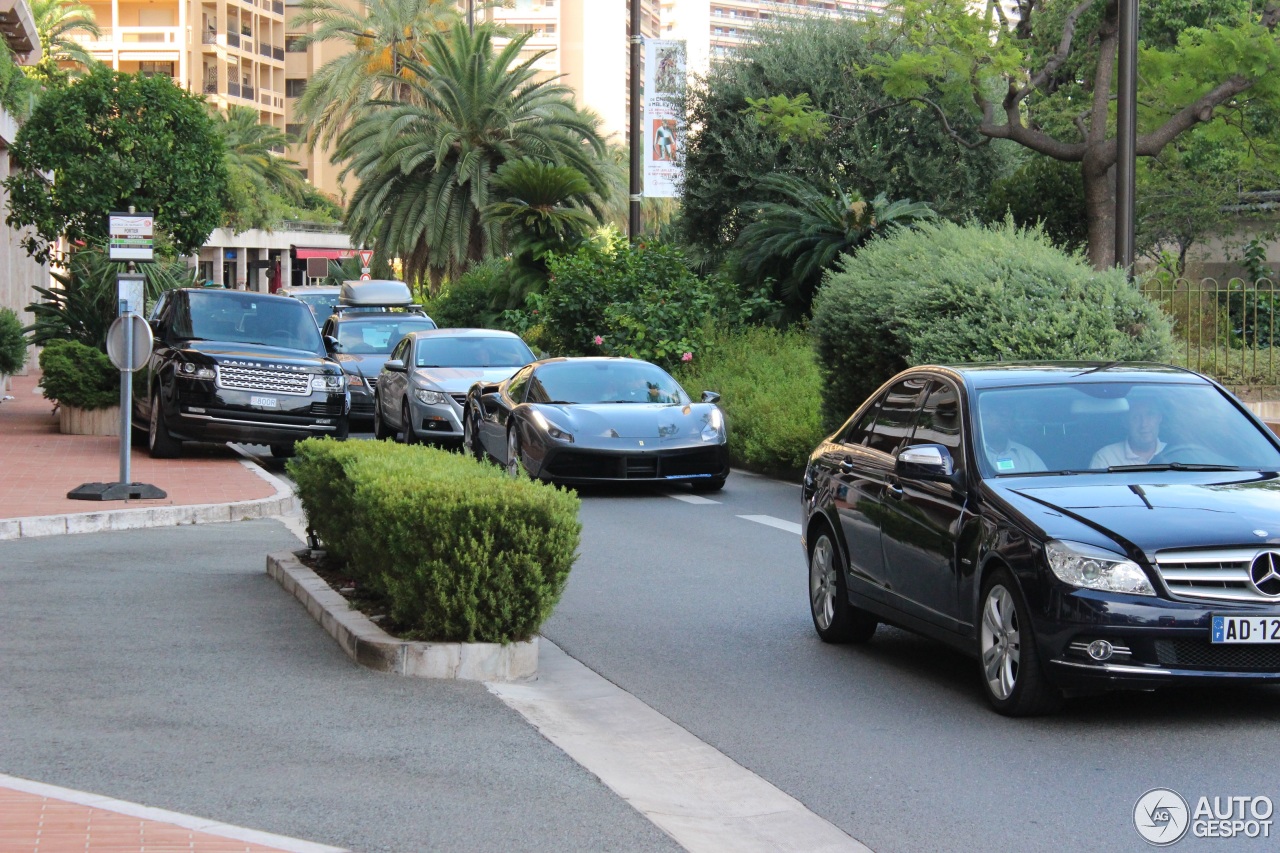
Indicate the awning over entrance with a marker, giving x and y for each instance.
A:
(304, 252)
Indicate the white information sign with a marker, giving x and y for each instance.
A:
(130, 236)
(664, 76)
(130, 289)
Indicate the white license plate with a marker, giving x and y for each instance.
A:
(1245, 629)
(264, 402)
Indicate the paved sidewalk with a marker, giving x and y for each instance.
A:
(39, 465)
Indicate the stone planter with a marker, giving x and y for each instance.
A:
(73, 421)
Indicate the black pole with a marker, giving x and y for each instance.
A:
(1126, 132)
(471, 16)
(637, 138)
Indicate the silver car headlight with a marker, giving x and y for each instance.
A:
(713, 428)
(334, 383)
(431, 398)
(1096, 568)
(550, 428)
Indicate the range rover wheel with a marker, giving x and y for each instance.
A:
(159, 442)
(834, 618)
(1012, 677)
(380, 429)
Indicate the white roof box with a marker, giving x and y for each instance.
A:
(375, 292)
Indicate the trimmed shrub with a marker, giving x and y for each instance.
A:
(461, 552)
(771, 395)
(13, 347)
(944, 293)
(79, 376)
(475, 300)
(641, 302)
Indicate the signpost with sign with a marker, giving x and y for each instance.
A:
(131, 236)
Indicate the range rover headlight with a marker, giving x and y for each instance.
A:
(431, 398)
(334, 383)
(196, 371)
(713, 429)
(1096, 568)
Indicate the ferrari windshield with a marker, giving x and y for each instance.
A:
(471, 351)
(1114, 427)
(604, 381)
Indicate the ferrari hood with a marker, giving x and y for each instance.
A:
(1244, 509)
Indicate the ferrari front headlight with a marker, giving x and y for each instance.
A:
(713, 428)
(550, 427)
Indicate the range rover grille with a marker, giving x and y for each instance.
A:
(264, 379)
(1216, 575)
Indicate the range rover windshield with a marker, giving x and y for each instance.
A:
(1109, 427)
(247, 318)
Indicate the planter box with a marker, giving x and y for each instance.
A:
(73, 421)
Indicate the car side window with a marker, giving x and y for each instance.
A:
(859, 432)
(519, 384)
(940, 421)
(402, 351)
(896, 415)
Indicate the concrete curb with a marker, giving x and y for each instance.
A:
(370, 646)
(282, 503)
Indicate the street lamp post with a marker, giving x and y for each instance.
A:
(1126, 132)
(637, 44)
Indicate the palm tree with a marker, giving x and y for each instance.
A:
(548, 209)
(56, 21)
(425, 165)
(795, 240)
(380, 34)
(259, 181)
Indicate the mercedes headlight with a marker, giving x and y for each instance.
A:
(431, 398)
(713, 427)
(1096, 568)
(334, 383)
(550, 428)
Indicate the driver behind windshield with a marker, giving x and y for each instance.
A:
(1142, 440)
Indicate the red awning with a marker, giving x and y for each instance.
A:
(304, 252)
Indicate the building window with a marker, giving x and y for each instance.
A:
(293, 87)
(151, 69)
(294, 131)
(293, 44)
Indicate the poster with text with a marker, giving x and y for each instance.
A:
(664, 74)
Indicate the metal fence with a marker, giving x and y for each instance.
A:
(1226, 329)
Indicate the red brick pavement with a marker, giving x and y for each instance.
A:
(39, 465)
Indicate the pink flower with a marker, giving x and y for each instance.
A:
(599, 340)
(687, 357)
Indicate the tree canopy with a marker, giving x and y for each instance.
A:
(861, 147)
(1048, 83)
(113, 140)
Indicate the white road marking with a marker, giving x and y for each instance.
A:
(698, 796)
(691, 499)
(781, 524)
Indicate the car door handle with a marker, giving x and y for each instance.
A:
(895, 491)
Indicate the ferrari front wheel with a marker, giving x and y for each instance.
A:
(515, 467)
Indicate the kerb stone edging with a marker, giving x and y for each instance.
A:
(370, 646)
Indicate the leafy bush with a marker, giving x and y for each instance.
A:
(462, 552)
(13, 349)
(475, 299)
(771, 395)
(79, 376)
(642, 302)
(949, 293)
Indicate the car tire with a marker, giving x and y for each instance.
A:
(1008, 658)
(515, 467)
(406, 423)
(380, 429)
(160, 444)
(284, 450)
(834, 618)
(712, 485)
(470, 441)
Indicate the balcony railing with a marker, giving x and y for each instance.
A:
(233, 89)
(211, 88)
(210, 37)
(265, 97)
(277, 7)
(264, 50)
(248, 93)
(233, 39)
(130, 38)
(277, 53)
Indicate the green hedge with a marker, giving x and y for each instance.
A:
(462, 552)
(771, 393)
(13, 346)
(79, 376)
(944, 293)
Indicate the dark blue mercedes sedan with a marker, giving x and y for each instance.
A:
(1073, 526)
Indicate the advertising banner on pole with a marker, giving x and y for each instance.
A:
(664, 75)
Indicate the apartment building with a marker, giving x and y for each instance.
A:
(18, 272)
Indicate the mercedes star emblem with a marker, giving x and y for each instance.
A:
(1264, 573)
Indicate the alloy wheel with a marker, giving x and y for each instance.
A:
(513, 453)
(822, 583)
(1001, 642)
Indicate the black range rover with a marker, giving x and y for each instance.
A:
(238, 366)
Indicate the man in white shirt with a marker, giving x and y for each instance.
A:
(1143, 439)
(1005, 455)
